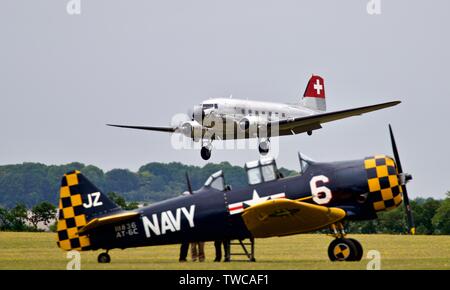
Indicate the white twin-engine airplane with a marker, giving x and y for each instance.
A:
(230, 119)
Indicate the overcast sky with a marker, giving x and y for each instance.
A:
(63, 77)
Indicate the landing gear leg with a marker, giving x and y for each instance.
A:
(104, 258)
(341, 248)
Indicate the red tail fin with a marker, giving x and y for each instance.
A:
(314, 96)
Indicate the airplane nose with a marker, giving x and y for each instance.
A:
(385, 191)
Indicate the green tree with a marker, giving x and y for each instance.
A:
(441, 220)
(44, 212)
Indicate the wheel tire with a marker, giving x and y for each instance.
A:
(342, 250)
(104, 258)
(205, 153)
(263, 151)
(359, 249)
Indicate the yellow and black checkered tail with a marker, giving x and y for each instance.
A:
(79, 202)
(385, 191)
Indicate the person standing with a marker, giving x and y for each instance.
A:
(198, 251)
(226, 248)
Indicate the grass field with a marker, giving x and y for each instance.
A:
(39, 251)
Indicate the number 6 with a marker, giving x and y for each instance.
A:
(320, 194)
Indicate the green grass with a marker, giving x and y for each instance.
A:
(39, 251)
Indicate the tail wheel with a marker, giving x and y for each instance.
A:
(104, 258)
(342, 250)
(359, 249)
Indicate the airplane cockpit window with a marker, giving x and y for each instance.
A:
(210, 106)
(262, 170)
(304, 162)
(216, 181)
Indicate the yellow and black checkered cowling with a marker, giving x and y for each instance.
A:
(71, 215)
(385, 191)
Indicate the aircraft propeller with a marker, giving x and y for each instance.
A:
(403, 178)
(188, 181)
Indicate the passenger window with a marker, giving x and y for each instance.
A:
(256, 113)
(284, 115)
(243, 111)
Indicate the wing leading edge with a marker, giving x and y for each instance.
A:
(313, 122)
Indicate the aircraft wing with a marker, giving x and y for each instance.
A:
(313, 122)
(97, 222)
(280, 217)
(160, 129)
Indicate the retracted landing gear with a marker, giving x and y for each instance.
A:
(341, 248)
(104, 258)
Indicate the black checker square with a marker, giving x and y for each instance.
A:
(70, 222)
(61, 214)
(66, 202)
(384, 182)
(372, 173)
(74, 189)
(75, 243)
(78, 210)
(380, 161)
(62, 235)
(391, 170)
(376, 195)
(389, 203)
(63, 181)
(395, 190)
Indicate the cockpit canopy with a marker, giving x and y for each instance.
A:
(304, 161)
(216, 181)
(262, 170)
(209, 106)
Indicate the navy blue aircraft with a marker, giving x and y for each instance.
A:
(322, 195)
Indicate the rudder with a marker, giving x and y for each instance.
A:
(79, 202)
(314, 96)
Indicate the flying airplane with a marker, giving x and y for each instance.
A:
(322, 195)
(228, 118)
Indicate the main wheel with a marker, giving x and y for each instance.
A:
(205, 153)
(342, 250)
(263, 147)
(359, 249)
(104, 258)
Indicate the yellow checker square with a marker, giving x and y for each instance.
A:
(76, 200)
(65, 245)
(84, 241)
(379, 205)
(80, 220)
(61, 225)
(393, 180)
(68, 212)
(369, 163)
(64, 192)
(374, 184)
(72, 233)
(60, 205)
(398, 199)
(387, 194)
(382, 171)
(390, 162)
(72, 179)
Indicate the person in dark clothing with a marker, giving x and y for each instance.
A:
(184, 251)
(226, 248)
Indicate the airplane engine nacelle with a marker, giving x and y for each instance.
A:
(249, 122)
(192, 129)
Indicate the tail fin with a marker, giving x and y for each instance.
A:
(314, 96)
(79, 202)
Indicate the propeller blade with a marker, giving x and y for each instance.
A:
(409, 214)
(188, 181)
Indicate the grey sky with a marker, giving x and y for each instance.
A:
(139, 62)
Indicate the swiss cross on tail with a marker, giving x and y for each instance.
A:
(314, 96)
